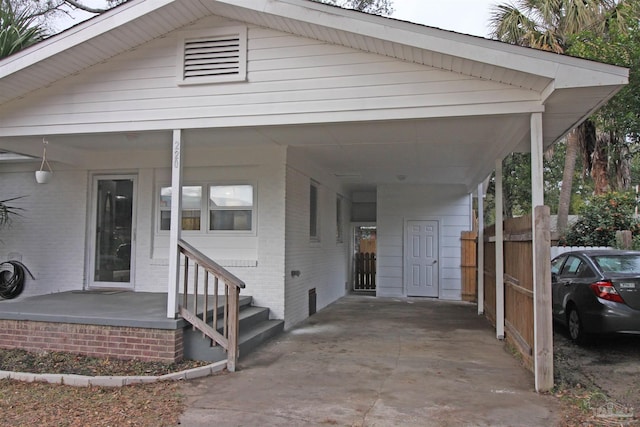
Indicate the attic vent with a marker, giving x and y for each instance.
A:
(214, 56)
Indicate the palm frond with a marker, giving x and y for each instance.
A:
(549, 24)
(18, 29)
(8, 211)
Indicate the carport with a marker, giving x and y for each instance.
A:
(377, 361)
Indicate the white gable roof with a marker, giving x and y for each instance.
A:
(566, 89)
(139, 21)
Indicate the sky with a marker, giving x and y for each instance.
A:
(462, 16)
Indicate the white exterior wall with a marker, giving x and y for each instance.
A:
(290, 79)
(52, 236)
(49, 237)
(323, 263)
(450, 205)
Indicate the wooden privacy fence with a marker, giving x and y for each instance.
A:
(490, 275)
(518, 284)
(365, 271)
(469, 265)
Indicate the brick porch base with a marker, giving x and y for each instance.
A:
(93, 340)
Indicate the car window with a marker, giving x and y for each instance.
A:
(584, 270)
(618, 263)
(556, 264)
(571, 267)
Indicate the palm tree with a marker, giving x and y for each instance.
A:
(7, 211)
(18, 29)
(549, 25)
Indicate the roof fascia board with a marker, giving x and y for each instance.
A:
(567, 71)
(344, 116)
(79, 34)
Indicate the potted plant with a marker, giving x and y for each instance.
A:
(44, 176)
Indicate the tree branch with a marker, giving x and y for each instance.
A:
(81, 6)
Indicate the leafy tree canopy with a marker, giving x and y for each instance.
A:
(620, 45)
(376, 7)
(600, 218)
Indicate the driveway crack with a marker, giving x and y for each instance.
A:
(383, 383)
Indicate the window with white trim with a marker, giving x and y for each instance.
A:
(228, 208)
(213, 56)
(191, 208)
(231, 207)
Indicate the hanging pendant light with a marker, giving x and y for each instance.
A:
(44, 176)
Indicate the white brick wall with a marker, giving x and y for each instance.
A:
(263, 252)
(52, 236)
(322, 264)
(397, 203)
(49, 238)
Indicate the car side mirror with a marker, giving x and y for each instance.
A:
(554, 277)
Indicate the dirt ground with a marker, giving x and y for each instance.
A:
(600, 380)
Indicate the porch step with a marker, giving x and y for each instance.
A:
(255, 328)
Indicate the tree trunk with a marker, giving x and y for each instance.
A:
(599, 165)
(623, 167)
(567, 180)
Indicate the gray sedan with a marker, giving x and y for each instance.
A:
(596, 292)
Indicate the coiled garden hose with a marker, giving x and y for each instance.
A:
(12, 280)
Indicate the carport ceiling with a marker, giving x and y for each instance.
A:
(459, 150)
(362, 155)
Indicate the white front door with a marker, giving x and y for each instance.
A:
(421, 258)
(112, 243)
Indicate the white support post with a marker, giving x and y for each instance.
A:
(173, 287)
(537, 167)
(541, 265)
(480, 249)
(499, 253)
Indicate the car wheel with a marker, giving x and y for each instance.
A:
(576, 328)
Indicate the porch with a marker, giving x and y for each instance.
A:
(122, 324)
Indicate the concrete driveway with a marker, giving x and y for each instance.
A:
(367, 361)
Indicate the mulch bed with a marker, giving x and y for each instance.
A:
(53, 362)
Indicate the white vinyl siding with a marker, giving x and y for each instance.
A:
(290, 79)
(448, 204)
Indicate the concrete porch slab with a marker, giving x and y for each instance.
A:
(106, 308)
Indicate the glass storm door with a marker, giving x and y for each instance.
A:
(113, 232)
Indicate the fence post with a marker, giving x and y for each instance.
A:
(543, 327)
(234, 308)
(624, 239)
